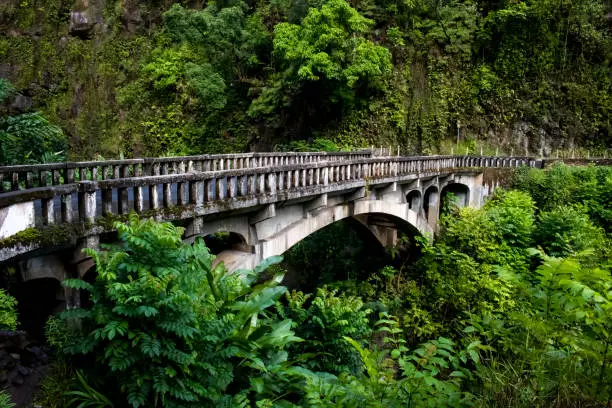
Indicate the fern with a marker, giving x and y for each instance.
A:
(176, 331)
(5, 400)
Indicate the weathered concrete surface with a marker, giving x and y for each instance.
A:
(16, 218)
(46, 266)
(383, 210)
(271, 201)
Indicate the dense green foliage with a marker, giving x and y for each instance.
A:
(176, 331)
(8, 311)
(175, 77)
(27, 137)
(5, 400)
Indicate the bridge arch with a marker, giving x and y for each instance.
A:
(431, 203)
(461, 193)
(383, 218)
(414, 198)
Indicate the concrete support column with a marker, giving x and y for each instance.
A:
(433, 209)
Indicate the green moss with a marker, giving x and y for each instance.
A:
(51, 235)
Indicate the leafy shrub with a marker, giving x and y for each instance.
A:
(8, 312)
(323, 322)
(57, 333)
(5, 400)
(565, 231)
(175, 331)
(58, 379)
(84, 396)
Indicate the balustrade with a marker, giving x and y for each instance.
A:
(125, 186)
(25, 177)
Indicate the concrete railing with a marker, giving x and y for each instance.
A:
(85, 200)
(24, 177)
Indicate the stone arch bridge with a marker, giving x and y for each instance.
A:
(49, 212)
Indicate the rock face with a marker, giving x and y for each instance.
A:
(22, 364)
(81, 24)
(132, 19)
(18, 357)
(21, 103)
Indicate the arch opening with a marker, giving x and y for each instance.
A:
(342, 251)
(224, 241)
(431, 204)
(350, 250)
(413, 198)
(454, 194)
(37, 299)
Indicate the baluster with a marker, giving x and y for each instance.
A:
(261, 184)
(244, 187)
(325, 176)
(233, 186)
(48, 213)
(15, 181)
(182, 198)
(196, 192)
(167, 195)
(28, 180)
(221, 188)
(42, 179)
(1, 182)
(139, 199)
(56, 177)
(87, 206)
(281, 180)
(271, 183)
(302, 178)
(66, 207)
(251, 184)
(124, 204)
(209, 190)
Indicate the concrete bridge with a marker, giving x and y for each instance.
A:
(270, 201)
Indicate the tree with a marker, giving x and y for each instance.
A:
(326, 65)
(27, 137)
(174, 331)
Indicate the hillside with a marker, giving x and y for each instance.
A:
(123, 77)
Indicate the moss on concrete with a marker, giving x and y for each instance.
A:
(51, 235)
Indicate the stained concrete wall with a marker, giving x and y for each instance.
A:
(16, 218)
(272, 229)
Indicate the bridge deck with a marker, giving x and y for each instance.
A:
(89, 206)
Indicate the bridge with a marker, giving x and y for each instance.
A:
(269, 201)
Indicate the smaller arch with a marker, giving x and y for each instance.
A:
(431, 204)
(413, 198)
(37, 299)
(460, 192)
(223, 241)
